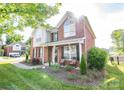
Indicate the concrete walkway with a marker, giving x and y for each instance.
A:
(23, 66)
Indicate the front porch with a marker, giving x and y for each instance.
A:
(66, 51)
(62, 52)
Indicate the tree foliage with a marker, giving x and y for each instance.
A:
(28, 42)
(83, 65)
(118, 40)
(17, 16)
(96, 58)
(12, 38)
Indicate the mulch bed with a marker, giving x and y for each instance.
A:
(62, 75)
(92, 78)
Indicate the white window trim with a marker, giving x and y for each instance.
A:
(69, 51)
(68, 27)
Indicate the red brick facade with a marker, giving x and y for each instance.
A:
(83, 29)
(9, 49)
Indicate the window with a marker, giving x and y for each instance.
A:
(73, 52)
(66, 52)
(17, 45)
(55, 36)
(70, 53)
(69, 28)
(38, 36)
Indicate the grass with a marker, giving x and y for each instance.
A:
(15, 78)
(12, 77)
(114, 78)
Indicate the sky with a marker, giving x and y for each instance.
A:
(103, 18)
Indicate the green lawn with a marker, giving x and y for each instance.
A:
(12, 77)
(15, 78)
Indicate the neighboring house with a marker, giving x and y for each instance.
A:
(18, 47)
(70, 39)
(1, 46)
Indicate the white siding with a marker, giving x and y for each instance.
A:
(39, 37)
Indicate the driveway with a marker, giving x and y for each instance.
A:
(17, 62)
(4, 60)
(1, 59)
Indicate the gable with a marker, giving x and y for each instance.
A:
(66, 16)
(16, 47)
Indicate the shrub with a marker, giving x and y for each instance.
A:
(83, 65)
(36, 61)
(72, 76)
(96, 58)
(55, 67)
(69, 68)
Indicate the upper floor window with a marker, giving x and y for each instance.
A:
(54, 37)
(38, 36)
(69, 28)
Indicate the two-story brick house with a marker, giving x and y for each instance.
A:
(67, 41)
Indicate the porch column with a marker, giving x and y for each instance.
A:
(53, 54)
(69, 52)
(80, 51)
(43, 55)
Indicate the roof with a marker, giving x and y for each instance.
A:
(23, 44)
(68, 13)
(84, 18)
(89, 26)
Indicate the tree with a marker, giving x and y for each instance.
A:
(12, 38)
(15, 16)
(28, 46)
(83, 66)
(28, 42)
(118, 40)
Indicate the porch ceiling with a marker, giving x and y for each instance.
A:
(64, 42)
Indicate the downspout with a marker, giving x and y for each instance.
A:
(85, 50)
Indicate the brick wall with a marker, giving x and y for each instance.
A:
(90, 40)
(45, 54)
(7, 50)
(78, 27)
